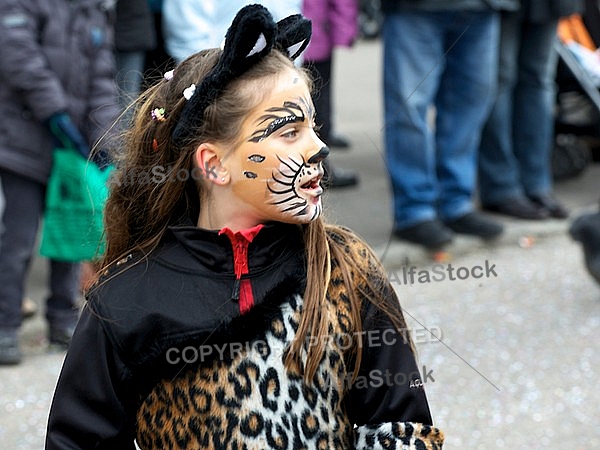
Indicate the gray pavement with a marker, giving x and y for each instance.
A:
(516, 362)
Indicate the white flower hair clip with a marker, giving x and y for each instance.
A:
(189, 92)
(168, 75)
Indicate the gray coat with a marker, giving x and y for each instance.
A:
(55, 55)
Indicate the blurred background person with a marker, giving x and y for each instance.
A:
(334, 24)
(442, 54)
(135, 36)
(515, 174)
(57, 89)
(158, 60)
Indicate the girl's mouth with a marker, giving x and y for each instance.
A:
(312, 184)
(312, 189)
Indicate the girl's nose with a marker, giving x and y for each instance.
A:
(320, 156)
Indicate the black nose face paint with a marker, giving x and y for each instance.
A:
(323, 153)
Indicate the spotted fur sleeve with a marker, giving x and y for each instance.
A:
(398, 436)
(387, 401)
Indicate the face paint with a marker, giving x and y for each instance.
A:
(293, 184)
(276, 170)
(294, 114)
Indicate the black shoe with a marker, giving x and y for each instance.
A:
(337, 141)
(335, 177)
(551, 205)
(10, 354)
(60, 337)
(431, 234)
(519, 207)
(475, 224)
(586, 230)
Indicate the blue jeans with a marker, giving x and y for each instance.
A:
(517, 140)
(447, 60)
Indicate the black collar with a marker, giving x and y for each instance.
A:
(214, 251)
(181, 293)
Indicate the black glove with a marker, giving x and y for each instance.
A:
(66, 133)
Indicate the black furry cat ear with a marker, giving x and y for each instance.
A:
(251, 36)
(293, 35)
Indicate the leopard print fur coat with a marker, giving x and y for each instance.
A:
(175, 366)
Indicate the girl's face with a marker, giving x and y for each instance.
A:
(276, 168)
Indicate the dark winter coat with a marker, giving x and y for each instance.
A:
(56, 56)
(134, 26)
(164, 354)
(544, 11)
(390, 6)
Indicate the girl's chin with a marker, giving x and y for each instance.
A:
(313, 212)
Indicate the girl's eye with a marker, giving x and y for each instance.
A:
(291, 133)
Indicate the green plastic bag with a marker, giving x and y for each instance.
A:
(77, 190)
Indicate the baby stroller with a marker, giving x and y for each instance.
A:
(577, 120)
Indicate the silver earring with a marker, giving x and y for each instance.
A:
(223, 179)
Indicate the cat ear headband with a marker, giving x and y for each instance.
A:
(251, 36)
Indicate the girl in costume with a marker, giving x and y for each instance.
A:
(227, 314)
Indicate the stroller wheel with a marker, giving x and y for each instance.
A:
(570, 157)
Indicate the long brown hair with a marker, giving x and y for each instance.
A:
(138, 214)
